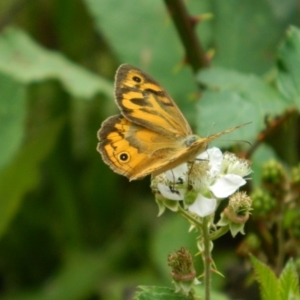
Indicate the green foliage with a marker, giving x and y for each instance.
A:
(164, 293)
(28, 62)
(151, 23)
(77, 277)
(244, 95)
(160, 293)
(248, 94)
(12, 115)
(169, 231)
(24, 171)
(288, 64)
(69, 227)
(289, 282)
(271, 288)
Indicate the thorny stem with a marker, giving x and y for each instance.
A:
(267, 241)
(280, 243)
(206, 255)
(207, 259)
(280, 234)
(268, 131)
(195, 54)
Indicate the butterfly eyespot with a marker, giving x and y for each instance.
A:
(137, 79)
(124, 157)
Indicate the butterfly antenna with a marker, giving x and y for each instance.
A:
(242, 141)
(214, 136)
(212, 125)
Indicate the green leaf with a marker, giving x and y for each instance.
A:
(143, 35)
(247, 40)
(26, 61)
(289, 282)
(158, 293)
(288, 65)
(233, 98)
(22, 175)
(267, 280)
(12, 115)
(74, 281)
(165, 293)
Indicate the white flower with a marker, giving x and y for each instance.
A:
(227, 185)
(211, 176)
(235, 165)
(203, 206)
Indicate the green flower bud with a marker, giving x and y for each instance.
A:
(273, 173)
(262, 203)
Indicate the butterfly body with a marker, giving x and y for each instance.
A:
(151, 135)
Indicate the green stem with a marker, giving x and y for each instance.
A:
(185, 27)
(218, 233)
(280, 234)
(280, 244)
(207, 259)
(189, 217)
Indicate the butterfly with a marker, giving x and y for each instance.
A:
(151, 135)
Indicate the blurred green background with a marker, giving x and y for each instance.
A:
(70, 228)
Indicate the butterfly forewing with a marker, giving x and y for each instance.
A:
(143, 101)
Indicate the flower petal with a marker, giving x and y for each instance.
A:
(227, 185)
(203, 206)
(170, 193)
(178, 174)
(215, 157)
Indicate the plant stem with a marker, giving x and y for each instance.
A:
(195, 54)
(280, 233)
(189, 217)
(206, 257)
(271, 128)
(218, 233)
(280, 244)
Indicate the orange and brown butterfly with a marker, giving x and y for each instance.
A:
(151, 135)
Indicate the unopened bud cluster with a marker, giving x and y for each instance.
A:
(263, 203)
(273, 173)
(276, 208)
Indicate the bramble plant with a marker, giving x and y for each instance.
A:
(197, 189)
(72, 229)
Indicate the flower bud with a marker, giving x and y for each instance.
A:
(183, 271)
(273, 174)
(262, 203)
(236, 213)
